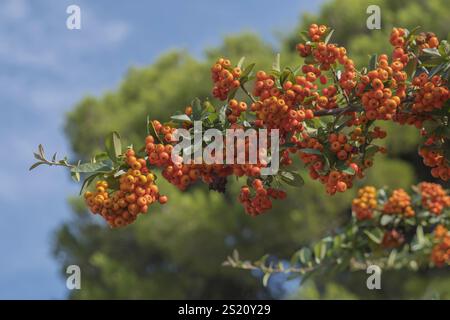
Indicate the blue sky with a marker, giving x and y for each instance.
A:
(46, 68)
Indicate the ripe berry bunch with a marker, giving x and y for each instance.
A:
(337, 150)
(434, 197)
(137, 191)
(225, 78)
(235, 110)
(333, 179)
(315, 31)
(392, 239)
(399, 203)
(434, 158)
(277, 109)
(441, 251)
(431, 93)
(326, 55)
(427, 40)
(365, 203)
(261, 200)
(376, 89)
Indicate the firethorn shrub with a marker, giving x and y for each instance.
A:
(326, 112)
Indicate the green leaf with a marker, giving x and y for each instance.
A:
(328, 37)
(374, 236)
(113, 146)
(305, 256)
(320, 250)
(92, 167)
(311, 151)
(309, 99)
(386, 219)
(373, 62)
(36, 165)
(304, 35)
(181, 118)
(152, 131)
(265, 279)
(370, 151)
(41, 151)
(436, 69)
(276, 64)
(75, 176)
(291, 178)
(341, 166)
(391, 258)
(196, 109)
(444, 48)
(420, 235)
(412, 33)
(247, 70)
(432, 51)
(88, 181)
(232, 93)
(100, 157)
(241, 62)
(410, 68)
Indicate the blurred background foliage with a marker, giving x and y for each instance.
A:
(176, 251)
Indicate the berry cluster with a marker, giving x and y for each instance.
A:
(364, 205)
(376, 88)
(235, 110)
(431, 93)
(326, 55)
(261, 200)
(137, 191)
(399, 203)
(225, 78)
(434, 158)
(427, 40)
(434, 197)
(441, 251)
(392, 239)
(277, 109)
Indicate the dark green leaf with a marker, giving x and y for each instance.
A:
(304, 35)
(291, 178)
(196, 109)
(36, 165)
(374, 235)
(247, 70)
(88, 181)
(113, 146)
(341, 166)
(152, 131)
(311, 151)
(373, 62)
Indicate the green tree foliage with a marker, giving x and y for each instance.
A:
(176, 251)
